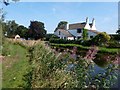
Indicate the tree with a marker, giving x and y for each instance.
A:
(101, 38)
(85, 34)
(62, 25)
(36, 30)
(118, 31)
(12, 27)
(22, 31)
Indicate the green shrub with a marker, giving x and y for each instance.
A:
(87, 43)
(63, 41)
(101, 39)
(48, 36)
(113, 44)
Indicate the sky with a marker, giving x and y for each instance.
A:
(51, 13)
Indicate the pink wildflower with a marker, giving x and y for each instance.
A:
(117, 60)
(91, 53)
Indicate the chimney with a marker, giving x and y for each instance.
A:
(93, 25)
(87, 26)
(87, 20)
(67, 26)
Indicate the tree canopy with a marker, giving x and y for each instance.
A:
(22, 31)
(37, 30)
(10, 28)
(62, 25)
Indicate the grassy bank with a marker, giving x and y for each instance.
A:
(14, 64)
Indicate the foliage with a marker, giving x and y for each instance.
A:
(22, 31)
(46, 70)
(62, 25)
(87, 43)
(7, 2)
(54, 37)
(11, 28)
(101, 39)
(80, 47)
(61, 41)
(50, 69)
(85, 34)
(36, 30)
(113, 44)
(118, 31)
(48, 36)
(115, 37)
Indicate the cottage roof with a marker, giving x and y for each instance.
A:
(77, 25)
(66, 32)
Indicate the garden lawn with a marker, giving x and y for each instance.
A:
(14, 65)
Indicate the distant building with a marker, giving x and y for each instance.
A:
(75, 30)
(17, 37)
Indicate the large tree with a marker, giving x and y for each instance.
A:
(37, 30)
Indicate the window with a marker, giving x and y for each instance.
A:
(65, 38)
(79, 37)
(91, 36)
(79, 30)
(59, 32)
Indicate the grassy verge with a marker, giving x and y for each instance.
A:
(14, 65)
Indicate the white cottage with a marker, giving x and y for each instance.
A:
(64, 34)
(75, 30)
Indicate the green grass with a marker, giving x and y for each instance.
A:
(14, 65)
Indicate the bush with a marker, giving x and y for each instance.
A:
(48, 36)
(113, 44)
(63, 41)
(101, 39)
(87, 43)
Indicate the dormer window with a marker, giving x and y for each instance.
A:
(59, 32)
(79, 30)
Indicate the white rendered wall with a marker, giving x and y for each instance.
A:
(91, 34)
(70, 38)
(61, 36)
